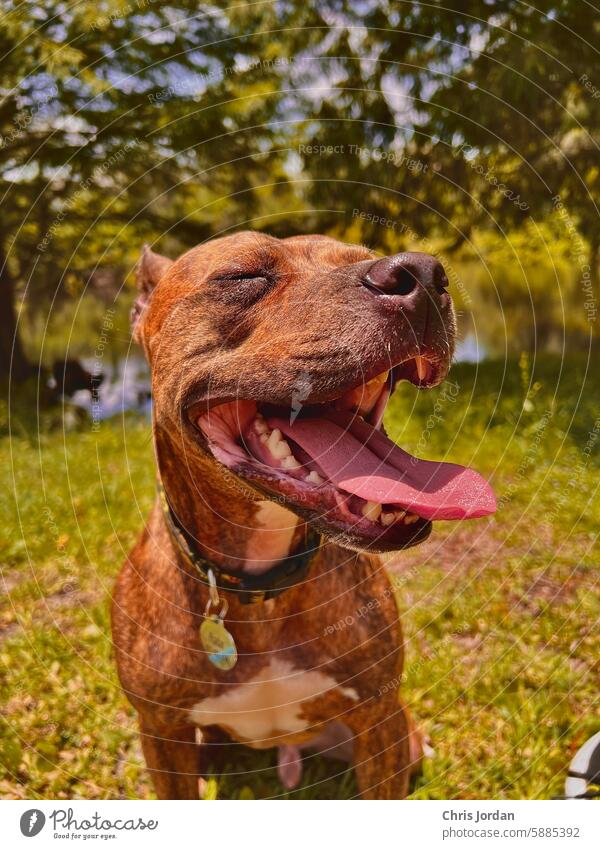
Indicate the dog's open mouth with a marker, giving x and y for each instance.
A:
(333, 464)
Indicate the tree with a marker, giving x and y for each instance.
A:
(124, 122)
(493, 104)
(108, 113)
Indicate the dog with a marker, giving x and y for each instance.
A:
(253, 610)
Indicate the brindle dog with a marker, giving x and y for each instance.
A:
(272, 361)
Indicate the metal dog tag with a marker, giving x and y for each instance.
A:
(218, 643)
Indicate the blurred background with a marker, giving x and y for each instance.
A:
(469, 130)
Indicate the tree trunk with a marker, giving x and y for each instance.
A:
(12, 358)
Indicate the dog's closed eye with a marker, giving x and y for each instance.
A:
(242, 276)
(243, 288)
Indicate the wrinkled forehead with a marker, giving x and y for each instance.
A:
(246, 252)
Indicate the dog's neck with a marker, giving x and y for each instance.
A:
(228, 527)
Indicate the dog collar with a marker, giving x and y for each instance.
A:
(249, 589)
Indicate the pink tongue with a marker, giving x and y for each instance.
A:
(374, 468)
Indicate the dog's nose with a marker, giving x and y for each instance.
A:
(402, 273)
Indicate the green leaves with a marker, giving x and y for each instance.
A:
(215, 107)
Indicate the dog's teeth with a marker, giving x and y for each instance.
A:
(260, 425)
(364, 397)
(278, 446)
(290, 461)
(387, 519)
(422, 367)
(281, 450)
(315, 477)
(275, 437)
(371, 510)
(264, 438)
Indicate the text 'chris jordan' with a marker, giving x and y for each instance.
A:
(476, 816)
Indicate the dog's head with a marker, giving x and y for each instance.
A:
(276, 358)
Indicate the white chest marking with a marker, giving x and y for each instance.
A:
(271, 539)
(268, 705)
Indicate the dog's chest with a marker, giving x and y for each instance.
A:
(267, 710)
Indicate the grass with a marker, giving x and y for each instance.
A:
(500, 615)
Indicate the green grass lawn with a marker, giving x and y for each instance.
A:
(500, 615)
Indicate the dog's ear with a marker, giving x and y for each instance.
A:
(150, 269)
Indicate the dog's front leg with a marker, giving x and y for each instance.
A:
(173, 760)
(382, 752)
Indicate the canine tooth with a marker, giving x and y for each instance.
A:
(422, 367)
(290, 461)
(264, 438)
(387, 519)
(278, 446)
(400, 514)
(410, 519)
(371, 510)
(364, 397)
(275, 436)
(315, 477)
